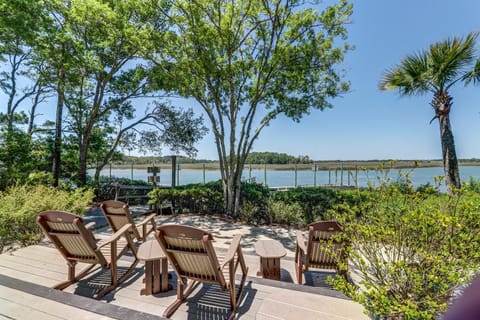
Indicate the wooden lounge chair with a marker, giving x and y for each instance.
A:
(76, 243)
(192, 256)
(118, 214)
(322, 250)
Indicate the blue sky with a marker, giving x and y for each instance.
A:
(371, 124)
(366, 123)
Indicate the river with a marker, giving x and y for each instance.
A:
(282, 178)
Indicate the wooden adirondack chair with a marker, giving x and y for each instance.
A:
(191, 253)
(118, 214)
(320, 250)
(76, 243)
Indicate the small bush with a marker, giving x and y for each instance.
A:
(21, 204)
(472, 185)
(284, 213)
(197, 198)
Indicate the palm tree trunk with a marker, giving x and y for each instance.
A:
(442, 103)
(450, 162)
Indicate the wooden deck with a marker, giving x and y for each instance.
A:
(27, 274)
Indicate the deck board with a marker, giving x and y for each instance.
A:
(26, 276)
(12, 262)
(16, 304)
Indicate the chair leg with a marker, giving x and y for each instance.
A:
(299, 266)
(114, 281)
(71, 276)
(181, 295)
(235, 297)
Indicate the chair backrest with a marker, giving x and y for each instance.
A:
(118, 214)
(191, 253)
(68, 233)
(323, 249)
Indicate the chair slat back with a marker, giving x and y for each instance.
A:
(191, 253)
(70, 236)
(117, 221)
(118, 214)
(323, 250)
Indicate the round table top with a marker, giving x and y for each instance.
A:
(269, 249)
(150, 250)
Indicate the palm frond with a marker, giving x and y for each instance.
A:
(473, 75)
(451, 59)
(436, 69)
(410, 77)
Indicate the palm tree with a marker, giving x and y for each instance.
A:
(435, 71)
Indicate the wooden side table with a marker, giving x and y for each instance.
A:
(156, 268)
(270, 252)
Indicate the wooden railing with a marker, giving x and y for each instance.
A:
(126, 192)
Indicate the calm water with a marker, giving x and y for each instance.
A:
(280, 178)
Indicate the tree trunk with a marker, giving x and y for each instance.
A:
(232, 190)
(229, 195)
(82, 161)
(450, 163)
(57, 148)
(442, 103)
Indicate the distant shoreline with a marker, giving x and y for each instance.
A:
(321, 165)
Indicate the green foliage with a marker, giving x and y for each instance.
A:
(15, 153)
(149, 160)
(197, 198)
(317, 202)
(208, 199)
(472, 185)
(410, 251)
(275, 158)
(254, 203)
(255, 61)
(291, 214)
(21, 204)
(296, 207)
(428, 189)
(40, 178)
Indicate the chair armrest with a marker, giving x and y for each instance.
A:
(301, 241)
(90, 225)
(114, 237)
(147, 219)
(234, 246)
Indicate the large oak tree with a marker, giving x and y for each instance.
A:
(248, 62)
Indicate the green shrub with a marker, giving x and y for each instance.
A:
(208, 199)
(410, 251)
(254, 203)
(285, 213)
(198, 198)
(428, 189)
(472, 185)
(317, 202)
(21, 204)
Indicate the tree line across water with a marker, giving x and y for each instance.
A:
(253, 158)
(273, 158)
